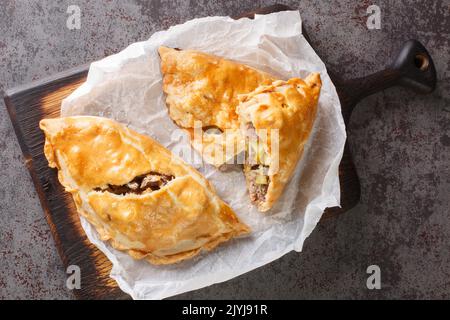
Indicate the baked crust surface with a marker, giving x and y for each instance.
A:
(202, 90)
(173, 221)
(290, 108)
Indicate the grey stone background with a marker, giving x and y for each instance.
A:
(400, 142)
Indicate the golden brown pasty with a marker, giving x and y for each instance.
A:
(136, 193)
(277, 120)
(202, 92)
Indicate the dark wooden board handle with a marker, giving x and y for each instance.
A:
(413, 68)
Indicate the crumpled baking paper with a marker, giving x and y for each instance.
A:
(127, 87)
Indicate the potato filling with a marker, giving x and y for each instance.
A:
(256, 166)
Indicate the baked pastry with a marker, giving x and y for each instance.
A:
(202, 91)
(276, 120)
(138, 195)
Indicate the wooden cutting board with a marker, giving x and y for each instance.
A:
(29, 104)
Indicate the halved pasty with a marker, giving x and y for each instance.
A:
(276, 120)
(136, 193)
(202, 92)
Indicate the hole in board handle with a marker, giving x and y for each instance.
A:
(421, 61)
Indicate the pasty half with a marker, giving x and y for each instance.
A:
(276, 120)
(138, 195)
(202, 91)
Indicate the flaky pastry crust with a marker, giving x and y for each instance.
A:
(203, 88)
(175, 220)
(290, 107)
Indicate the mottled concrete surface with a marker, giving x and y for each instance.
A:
(400, 141)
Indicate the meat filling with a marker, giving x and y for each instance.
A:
(258, 183)
(141, 184)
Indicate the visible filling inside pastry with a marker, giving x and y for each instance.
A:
(258, 182)
(212, 130)
(145, 183)
(256, 166)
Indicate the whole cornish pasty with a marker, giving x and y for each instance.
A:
(136, 193)
(202, 94)
(277, 120)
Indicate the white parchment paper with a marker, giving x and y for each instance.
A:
(127, 87)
